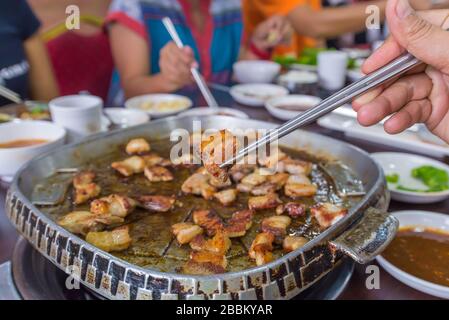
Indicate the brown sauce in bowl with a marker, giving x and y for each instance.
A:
(421, 253)
(20, 143)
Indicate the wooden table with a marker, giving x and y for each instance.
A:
(390, 288)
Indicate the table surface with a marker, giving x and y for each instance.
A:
(390, 288)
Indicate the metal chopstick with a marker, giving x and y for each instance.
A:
(397, 67)
(10, 95)
(211, 102)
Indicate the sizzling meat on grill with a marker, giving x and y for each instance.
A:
(291, 243)
(276, 225)
(157, 174)
(220, 243)
(327, 214)
(186, 231)
(268, 201)
(208, 220)
(293, 209)
(239, 223)
(115, 240)
(156, 203)
(261, 248)
(81, 222)
(226, 197)
(129, 166)
(114, 205)
(299, 186)
(85, 187)
(198, 184)
(137, 146)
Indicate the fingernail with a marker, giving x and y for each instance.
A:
(403, 9)
(195, 65)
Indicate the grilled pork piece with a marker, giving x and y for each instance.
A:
(239, 223)
(299, 186)
(261, 248)
(208, 220)
(201, 268)
(293, 209)
(137, 146)
(264, 189)
(291, 243)
(219, 244)
(198, 184)
(82, 222)
(278, 179)
(297, 167)
(239, 171)
(115, 240)
(153, 159)
(271, 161)
(327, 214)
(129, 166)
(268, 201)
(255, 178)
(215, 150)
(158, 174)
(226, 197)
(85, 187)
(217, 259)
(185, 231)
(156, 203)
(276, 225)
(246, 188)
(114, 205)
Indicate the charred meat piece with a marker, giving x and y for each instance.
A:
(153, 159)
(291, 243)
(186, 231)
(264, 189)
(293, 209)
(299, 186)
(115, 240)
(261, 248)
(278, 179)
(327, 214)
(297, 167)
(137, 146)
(114, 205)
(226, 197)
(268, 201)
(239, 223)
(82, 222)
(208, 220)
(276, 225)
(219, 244)
(158, 174)
(156, 203)
(198, 184)
(85, 187)
(217, 259)
(219, 184)
(215, 150)
(129, 166)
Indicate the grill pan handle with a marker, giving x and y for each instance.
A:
(368, 237)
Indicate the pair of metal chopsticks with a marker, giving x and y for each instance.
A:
(211, 102)
(395, 68)
(10, 95)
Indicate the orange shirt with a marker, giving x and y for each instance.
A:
(256, 11)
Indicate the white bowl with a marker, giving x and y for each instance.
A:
(305, 102)
(12, 159)
(139, 102)
(414, 218)
(206, 111)
(256, 71)
(255, 95)
(403, 164)
(126, 117)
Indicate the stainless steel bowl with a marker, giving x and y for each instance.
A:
(362, 234)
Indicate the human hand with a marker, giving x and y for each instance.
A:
(271, 32)
(175, 64)
(422, 95)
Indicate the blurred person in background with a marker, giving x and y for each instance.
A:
(81, 58)
(24, 64)
(146, 59)
(312, 22)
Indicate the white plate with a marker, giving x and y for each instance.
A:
(137, 103)
(206, 111)
(303, 67)
(126, 117)
(408, 140)
(419, 219)
(255, 95)
(295, 99)
(403, 164)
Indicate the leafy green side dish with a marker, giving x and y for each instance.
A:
(435, 179)
(309, 56)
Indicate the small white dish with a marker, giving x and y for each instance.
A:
(126, 117)
(221, 111)
(159, 105)
(255, 95)
(420, 219)
(12, 159)
(256, 71)
(304, 67)
(425, 135)
(277, 107)
(403, 164)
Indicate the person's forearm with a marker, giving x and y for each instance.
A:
(332, 22)
(138, 85)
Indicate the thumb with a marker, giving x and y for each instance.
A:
(426, 41)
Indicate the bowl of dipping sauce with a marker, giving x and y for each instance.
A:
(256, 71)
(288, 107)
(20, 141)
